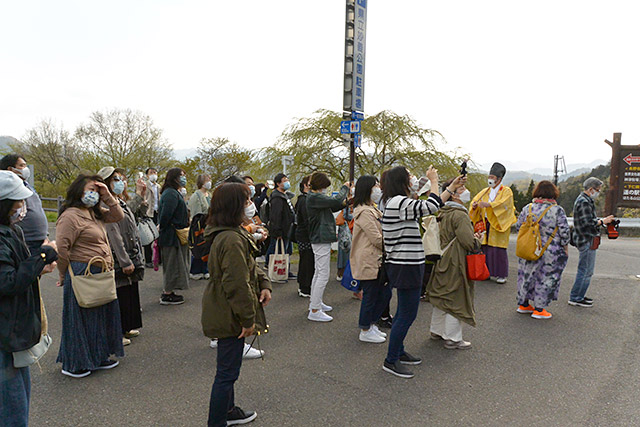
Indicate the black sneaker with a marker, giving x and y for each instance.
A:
(237, 416)
(589, 300)
(397, 369)
(107, 364)
(385, 322)
(582, 303)
(76, 374)
(171, 299)
(407, 359)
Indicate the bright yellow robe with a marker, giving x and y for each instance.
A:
(501, 215)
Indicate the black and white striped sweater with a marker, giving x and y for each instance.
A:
(400, 229)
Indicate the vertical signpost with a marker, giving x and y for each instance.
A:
(624, 182)
(354, 62)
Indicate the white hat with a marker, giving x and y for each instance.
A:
(12, 187)
(106, 172)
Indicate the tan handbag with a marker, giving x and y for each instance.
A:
(183, 235)
(94, 290)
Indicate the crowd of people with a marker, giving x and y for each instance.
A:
(222, 235)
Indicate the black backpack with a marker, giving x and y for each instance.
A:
(199, 246)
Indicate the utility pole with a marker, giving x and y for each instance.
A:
(558, 167)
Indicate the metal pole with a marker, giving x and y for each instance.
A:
(611, 202)
(555, 170)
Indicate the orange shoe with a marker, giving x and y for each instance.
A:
(544, 314)
(525, 309)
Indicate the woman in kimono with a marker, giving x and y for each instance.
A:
(493, 209)
(539, 281)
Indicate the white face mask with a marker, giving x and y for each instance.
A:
(491, 182)
(252, 189)
(18, 215)
(465, 196)
(250, 211)
(24, 173)
(414, 184)
(153, 178)
(376, 194)
(595, 195)
(207, 185)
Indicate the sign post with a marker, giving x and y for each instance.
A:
(354, 62)
(624, 182)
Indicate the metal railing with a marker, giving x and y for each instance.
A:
(58, 201)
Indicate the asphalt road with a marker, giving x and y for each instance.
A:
(579, 368)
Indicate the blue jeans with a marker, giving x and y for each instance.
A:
(408, 302)
(227, 372)
(15, 390)
(375, 298)
(586, 265)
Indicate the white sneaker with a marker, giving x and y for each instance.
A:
(213, 344)
(501, 280)
(207, 276)
(195, 276)
(371, 336)
(339, 278)
(251, 353)
(260, 259)
(125, 341)
(319, 316)
(378, 331)
(326, 308)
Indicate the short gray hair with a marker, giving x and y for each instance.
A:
(592, 182)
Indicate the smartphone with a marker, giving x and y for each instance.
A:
(463, 168)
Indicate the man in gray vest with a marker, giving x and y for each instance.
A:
(34, 222)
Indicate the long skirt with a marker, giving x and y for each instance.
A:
(129, 300)
(497, 261)
(175, 267)
(89, 335)
(15, 391)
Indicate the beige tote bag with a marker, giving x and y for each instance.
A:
(279, 263)
(431, 236)
(94, 290)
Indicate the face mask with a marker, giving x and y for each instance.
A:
(24, 173)
(465, 196)
(118, 187)
(153, 178)
(207, 185)
(183, 191)
(252, 189)
(182, 181)
(414, 184)
(376, 194)
(250, 211)
(324, 191)
(90, 198)
(18, 215)
(286, 186)
(491, 182)
(595, 195)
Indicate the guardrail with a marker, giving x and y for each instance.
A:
(58, 201)
(624, 222)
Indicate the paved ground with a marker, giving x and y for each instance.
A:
(579, 368)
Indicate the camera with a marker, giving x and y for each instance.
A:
(463, 168)
(612, 229)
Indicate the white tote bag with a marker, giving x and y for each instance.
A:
(279, 263)
(431, 237)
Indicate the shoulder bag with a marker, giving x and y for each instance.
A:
(24, 358)
(148, 231)
(94, 290)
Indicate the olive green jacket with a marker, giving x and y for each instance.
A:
(231, 297)
(448, 288)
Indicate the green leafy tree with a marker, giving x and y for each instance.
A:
(388, 140)
(123, 138)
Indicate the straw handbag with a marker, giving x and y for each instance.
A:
(94, 290)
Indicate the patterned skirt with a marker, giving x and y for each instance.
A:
(89, 335)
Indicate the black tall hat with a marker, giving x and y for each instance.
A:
(498, 170)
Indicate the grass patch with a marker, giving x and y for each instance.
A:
(51, 216)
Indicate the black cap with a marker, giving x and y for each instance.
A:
(498, 170)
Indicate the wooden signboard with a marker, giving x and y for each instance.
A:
(624, 183)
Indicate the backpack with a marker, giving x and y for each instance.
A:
(529, 242)
(199, 246)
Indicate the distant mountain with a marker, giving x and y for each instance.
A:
(4, 143)
(183, 153)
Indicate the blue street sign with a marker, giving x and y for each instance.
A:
(357, 116)
(357, 140)
(348, 126)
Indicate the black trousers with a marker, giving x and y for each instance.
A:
(227, 372)
(306, 268)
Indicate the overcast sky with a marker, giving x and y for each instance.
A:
(512, 81)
